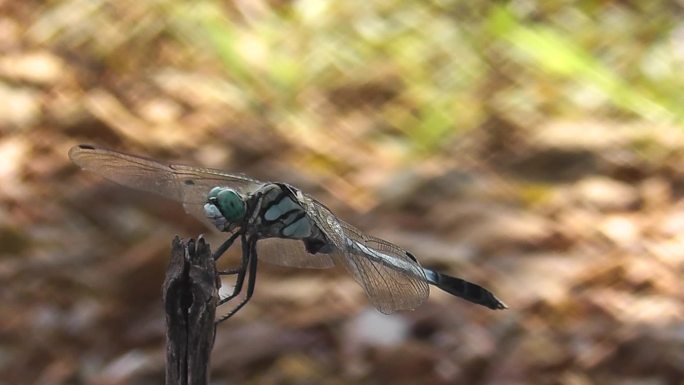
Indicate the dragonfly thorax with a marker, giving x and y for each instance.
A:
(225, 207)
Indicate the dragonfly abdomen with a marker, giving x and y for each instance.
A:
(464, 289)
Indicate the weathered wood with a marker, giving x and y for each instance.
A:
(190, 299)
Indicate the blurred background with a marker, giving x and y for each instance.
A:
(532, 147)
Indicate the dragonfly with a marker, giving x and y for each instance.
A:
(306, 233)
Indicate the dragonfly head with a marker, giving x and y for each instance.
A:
(225, 207)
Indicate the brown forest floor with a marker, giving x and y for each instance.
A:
(582, 235)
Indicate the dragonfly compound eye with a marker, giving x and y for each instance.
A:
(214, 192)
(231, 205)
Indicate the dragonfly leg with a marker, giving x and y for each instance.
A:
(240, 271)
(225, 246)
(251, 281)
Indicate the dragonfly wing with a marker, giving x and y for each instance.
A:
(291, 253)
(197, 211)
(392, 279)
(186, 184)
(198, 181)
(390, 276)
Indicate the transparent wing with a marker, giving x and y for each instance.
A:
(186, 184)
(391, 278)
(291, 253)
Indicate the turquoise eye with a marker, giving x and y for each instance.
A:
(214, 192)
(230, 203)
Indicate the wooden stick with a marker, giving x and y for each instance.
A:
(190, 299)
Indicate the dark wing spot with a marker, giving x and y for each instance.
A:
(189, 182)
(86, 147)
(411, 256)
